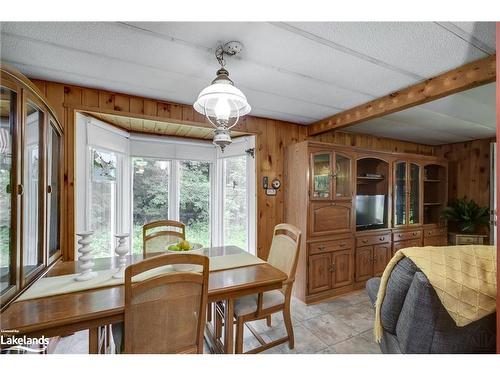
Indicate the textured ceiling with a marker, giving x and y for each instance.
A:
(456, 118)
(299, 72)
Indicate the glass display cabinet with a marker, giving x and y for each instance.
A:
(407, 194)
(331, 175)
(31, 157)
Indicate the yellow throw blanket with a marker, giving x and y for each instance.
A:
(464, 278)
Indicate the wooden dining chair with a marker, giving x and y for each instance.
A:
(284, 255)
(166, 312)
(155, 240)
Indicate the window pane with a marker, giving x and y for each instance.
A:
(150, 191)
(400, 194)
(194, 210)
(32, 256)
(7, 118)
(54, 216)
(103, 202)
(414, 214)
(235, 202)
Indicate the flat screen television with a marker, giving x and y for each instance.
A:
(371, 212)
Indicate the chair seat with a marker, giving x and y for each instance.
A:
(248, 304)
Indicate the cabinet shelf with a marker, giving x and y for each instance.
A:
(370, 178)
(433, 204)
(430, 180)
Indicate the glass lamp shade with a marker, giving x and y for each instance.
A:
(222, 101)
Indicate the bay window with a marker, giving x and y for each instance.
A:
(159, 178)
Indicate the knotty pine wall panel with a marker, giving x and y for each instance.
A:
(469, 169)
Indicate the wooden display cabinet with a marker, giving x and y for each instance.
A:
(322, 181)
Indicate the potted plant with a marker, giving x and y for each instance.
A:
(469, 218)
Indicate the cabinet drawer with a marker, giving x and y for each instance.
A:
(373, 240)
(403, 244)
(404, 236)
(326, 246)
(469, 240)
(435, 232)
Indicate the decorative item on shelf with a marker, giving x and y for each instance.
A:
(373, 175)
(222, 103)
(86, 257)
(121, 251)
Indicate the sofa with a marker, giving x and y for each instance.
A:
(415, 321)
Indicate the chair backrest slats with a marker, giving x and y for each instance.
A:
(155, 240)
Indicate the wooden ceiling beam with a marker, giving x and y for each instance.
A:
(463, 78)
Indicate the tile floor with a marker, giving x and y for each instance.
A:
(343, 325)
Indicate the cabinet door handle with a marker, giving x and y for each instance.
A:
(364, 241)
(321, 248)
(381, 238)
(342, 244)
(415, 233)
(332, 267)
(20, 189)
(49, 189)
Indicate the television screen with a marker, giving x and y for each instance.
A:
(370, 211)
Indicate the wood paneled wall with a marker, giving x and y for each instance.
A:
(469, 169)
(372, 142)
(272, 137)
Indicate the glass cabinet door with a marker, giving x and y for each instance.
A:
(322, 175)
(414, 194)
(7, 242)
(53, 190)
(342, 176)
(32, 251)
(400, 193)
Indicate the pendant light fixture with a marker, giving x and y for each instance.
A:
(222, 103)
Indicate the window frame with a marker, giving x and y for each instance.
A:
(27, 277)
(238, 148)
(52, 125)
(119, 193)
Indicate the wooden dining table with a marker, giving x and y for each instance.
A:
(97, 309)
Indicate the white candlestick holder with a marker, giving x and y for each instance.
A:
(121, 251)
(86, 257)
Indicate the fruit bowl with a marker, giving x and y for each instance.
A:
(194, 248)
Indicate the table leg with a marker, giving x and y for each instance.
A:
(228, 327)
(94, 340)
